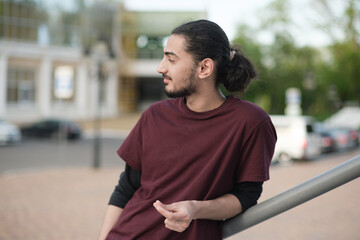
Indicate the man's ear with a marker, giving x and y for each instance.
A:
(206, 68)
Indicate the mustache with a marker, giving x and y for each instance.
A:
(166, 76)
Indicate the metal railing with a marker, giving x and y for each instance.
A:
(293, 197)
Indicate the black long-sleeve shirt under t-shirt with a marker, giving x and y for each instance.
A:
(247, 192)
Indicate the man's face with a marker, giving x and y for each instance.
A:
(178, 68)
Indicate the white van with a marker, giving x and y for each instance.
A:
(297, 139)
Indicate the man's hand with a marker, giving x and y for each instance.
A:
(178, 216)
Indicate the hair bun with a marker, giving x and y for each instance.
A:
(239, 73)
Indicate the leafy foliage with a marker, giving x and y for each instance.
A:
(328, 78)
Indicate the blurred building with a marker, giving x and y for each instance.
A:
(50, 59)
(43, 69)
(142, 38)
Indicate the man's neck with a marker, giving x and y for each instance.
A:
(205, 102)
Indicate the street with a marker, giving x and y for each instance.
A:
(33, 154)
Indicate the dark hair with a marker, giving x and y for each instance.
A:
(206, 39)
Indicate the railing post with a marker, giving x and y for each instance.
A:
(293, 197)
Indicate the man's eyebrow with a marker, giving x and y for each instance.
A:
(171, 54)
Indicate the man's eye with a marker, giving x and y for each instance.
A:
(171, 60)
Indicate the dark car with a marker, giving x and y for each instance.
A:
(53, 128)
(327, 142)
(345, 138)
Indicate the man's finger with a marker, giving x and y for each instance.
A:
(161, 209)
(168, 212)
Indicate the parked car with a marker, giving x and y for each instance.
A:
(327, 142)
(345, 138)
(9, 133)
(53, 128)
(297, 139)
(327, 139)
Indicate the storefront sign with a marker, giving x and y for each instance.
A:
(64, 82)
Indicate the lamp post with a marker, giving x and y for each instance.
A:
(100, 54)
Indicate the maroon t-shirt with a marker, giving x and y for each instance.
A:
(186, 155)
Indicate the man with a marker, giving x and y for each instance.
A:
(199, 158)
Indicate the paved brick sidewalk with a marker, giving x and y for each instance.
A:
(69, 204)
(54, 205)
(332, 216)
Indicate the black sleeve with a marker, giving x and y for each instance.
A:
(248, 193)
(129, 182)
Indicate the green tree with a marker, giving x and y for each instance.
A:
(257, 91)
(290, 66)
(341, 73)
(281, 64)
(328, 77)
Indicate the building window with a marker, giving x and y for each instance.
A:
(150, 47)
(21, 85)
(20, 20)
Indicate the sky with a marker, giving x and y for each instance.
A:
(230, 13)
(226, 13)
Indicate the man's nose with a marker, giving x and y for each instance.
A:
(161, 68)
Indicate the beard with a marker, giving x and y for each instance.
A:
(186, 90)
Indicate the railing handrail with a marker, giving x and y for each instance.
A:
(293, 197)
